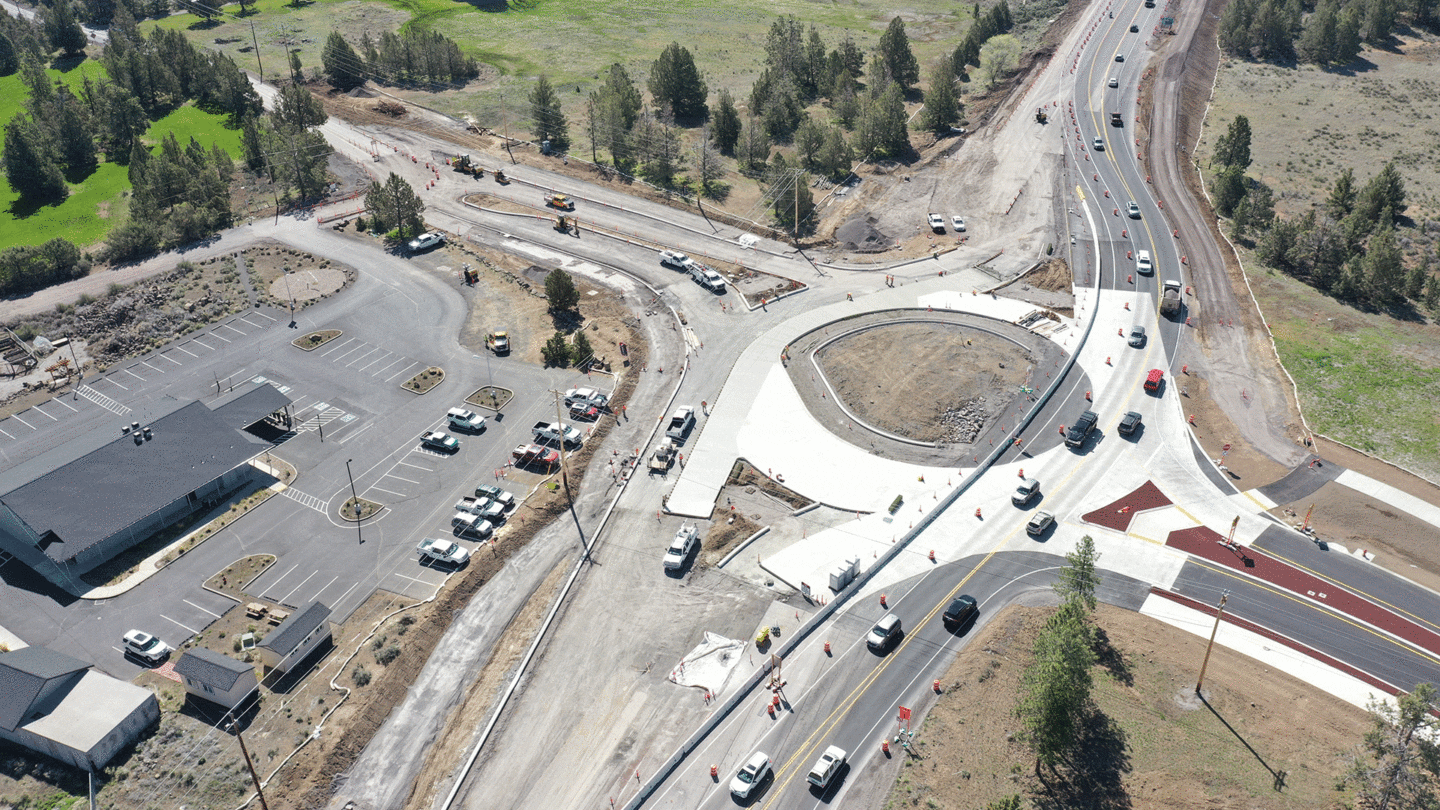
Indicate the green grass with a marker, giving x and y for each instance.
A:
(96, 203)
(1367, 380)
(13, 91)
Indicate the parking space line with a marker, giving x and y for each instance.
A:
(398, 478)
(17, 418)
(387, 491)
(282, 576)
(111, 380)
(178, 349)
(261, 314)
(66, 404)
(412, 579)
(7, 435)
(192, 630)
(156, 370)
(402, 371)
(296, 401)
(231, 328)
(211, 333)
(133, 374)
(383, 370)
(356, 433)
(341, 346)
(362, 357)
(36, 408)
(200, 608)
(373, 362)
(356, 349)
(197, 342)
(171, 359)
(417, 466)
(282, 599)
(322, 590)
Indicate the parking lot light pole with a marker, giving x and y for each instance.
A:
(290, 295)
(355, 499)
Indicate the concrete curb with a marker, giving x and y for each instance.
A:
(735, 552)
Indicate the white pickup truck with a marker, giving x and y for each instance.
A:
(448, 552)
(705, 277)
(555, 432)
(685, 541)
(473, 525)
(493, 511)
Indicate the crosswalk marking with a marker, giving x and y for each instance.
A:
(103, 401)
(307, 500)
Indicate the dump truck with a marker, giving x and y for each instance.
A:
(1170, 298)
(663, 457)
(498, 342)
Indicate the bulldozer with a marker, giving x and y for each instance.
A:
(501, 178)
(1040, 116)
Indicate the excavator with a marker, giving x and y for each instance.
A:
(1040, 116)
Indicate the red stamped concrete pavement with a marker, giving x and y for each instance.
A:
(1209, 545)
(1117, 515)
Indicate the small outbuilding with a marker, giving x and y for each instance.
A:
(56, 705)
(292, 642)
(216, 677)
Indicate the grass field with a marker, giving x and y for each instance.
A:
(1308, 125)
(572, 43)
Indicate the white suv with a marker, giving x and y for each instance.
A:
(752, 773)
(146, 647)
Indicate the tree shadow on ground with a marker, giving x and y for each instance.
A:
(1095, 778)
(1112, 659)
(66, 62)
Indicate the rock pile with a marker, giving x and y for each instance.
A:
(960, 425)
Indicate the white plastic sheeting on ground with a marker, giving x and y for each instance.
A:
(708, 666)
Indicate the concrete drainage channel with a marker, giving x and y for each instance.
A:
(828, 610)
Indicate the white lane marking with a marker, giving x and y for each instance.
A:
(192, 630)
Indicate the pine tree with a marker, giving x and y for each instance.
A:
(74, 135)
(1379, 21)
(1055, 690)
(394, 204)
(1385, 190)
(580, 350)
(725, 127)
(1342, 195)
(550, 123)
(556, 352)
(252, 145)
(1233, 148)
(9, 58)
(706, 166)
(1317, 42)
(1384, 267)
(892, 136)
(895, 54)
(1080, 577)
(560, 292)
(1432, 294)
(809, 139)
(299, 108)
(836, 157)
(1415, 280)
(619, 86)
(1399, 764)
(342, 64)
(29, 163)
(752, 151)
(1228, 186)
(676, 84)
(942, 107)
(1347, 35)
(63, 29)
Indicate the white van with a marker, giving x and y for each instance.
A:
(1143, 266)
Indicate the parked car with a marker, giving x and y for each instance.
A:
(496, 494)
(1129, 423)
(961, 609)
(674, 259)
(958, 223)
(1137, 336)
(937, 222)
(1039, 524)
(462, 419)
(447, 552)
(440, 440)
(826, 767)
(146, 647)
(685, 540)
(752, 773)
(425, 241)
(884, 633)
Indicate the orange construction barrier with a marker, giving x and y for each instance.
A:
(882, 601)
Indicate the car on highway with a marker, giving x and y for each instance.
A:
(685, 540)
(1024, 491)
(496, 494)
(440, 440)
(1132, 210)
(752, 773)
(1154, 381)
(884, 633)
(1039, 524)
(462, 419)
(825, 768)
(1137, 336)
(425, 241)
(1114, 82)
(146, 647)
(961, 609)
(937, 222)
(1080, 431)
(1143, 265)
(446, 552)
(958, 223)
(1134, 29)
(1119, 57)
(1098, 144)
(1129, 423)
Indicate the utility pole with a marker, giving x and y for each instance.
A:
(251, 765)
(1220, 611)
(256, 42)
(80, 378)
(505, 130)
(290, 295)
(354, 499)
(560, 423)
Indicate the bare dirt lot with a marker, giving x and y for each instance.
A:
(952, 381)
(1168, 750)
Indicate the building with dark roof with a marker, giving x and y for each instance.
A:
(56, 705)
(216, 677)
(78, 505)
(296, 637)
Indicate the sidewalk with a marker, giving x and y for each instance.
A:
(1423, 510)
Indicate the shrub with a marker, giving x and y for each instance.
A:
(385, 656)
(360, 675)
